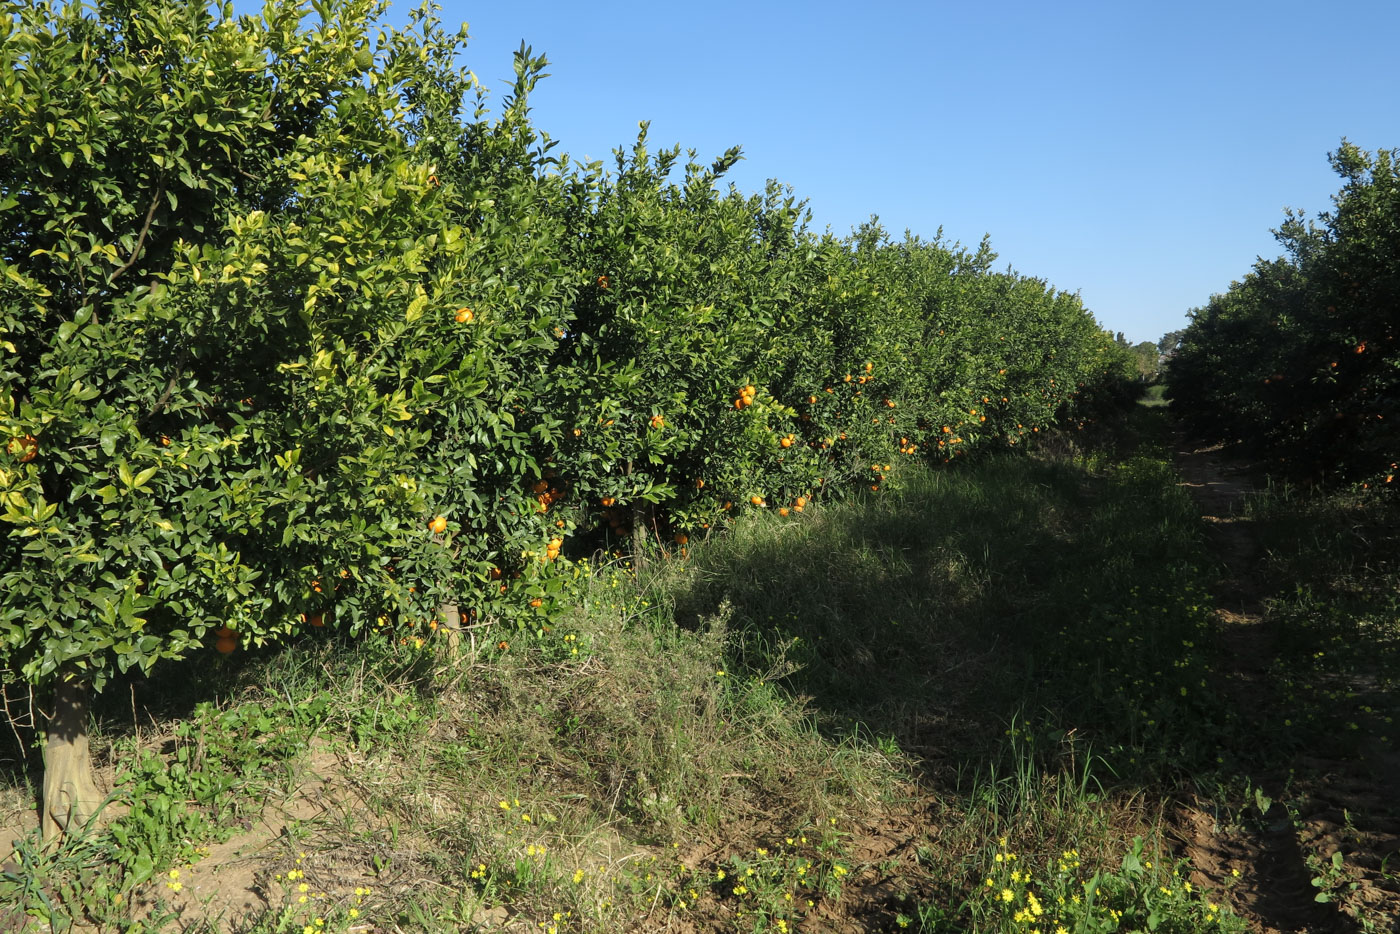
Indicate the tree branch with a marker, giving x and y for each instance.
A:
(141, 238)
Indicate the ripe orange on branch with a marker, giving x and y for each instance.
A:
(25, 448)
(438, 525)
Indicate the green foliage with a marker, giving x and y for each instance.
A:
(1299, 360)
(209, 336)
(278, 293)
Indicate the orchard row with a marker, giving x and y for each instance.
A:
(1299, 360)
(296, 334)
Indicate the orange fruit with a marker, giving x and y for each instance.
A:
(658, 422)
(438, 525)
(225, 644)
(25, 448)
(537, 602)
(602, 282)
(317, 620)
(464, 315)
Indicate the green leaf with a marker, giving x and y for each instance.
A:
(144, 476)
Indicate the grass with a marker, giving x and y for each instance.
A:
(1339, 616)
(965, 704)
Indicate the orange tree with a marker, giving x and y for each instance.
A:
(673, 341)
(1299, 360)
(226, 273)
(720, 357)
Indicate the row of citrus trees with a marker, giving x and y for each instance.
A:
(1300, 360)
(293, 333)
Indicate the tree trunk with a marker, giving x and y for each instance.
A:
(450, 618)
(638, 529)
(641, 516)
(70, 797)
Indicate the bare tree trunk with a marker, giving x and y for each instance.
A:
(638, 529)
(70, 796)
(450, 618)
(641, 516)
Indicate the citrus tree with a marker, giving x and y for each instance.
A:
(224, 266)
(1300, 359)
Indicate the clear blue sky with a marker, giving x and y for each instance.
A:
(1136, 152)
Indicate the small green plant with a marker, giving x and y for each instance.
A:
(775, 887)
(224, 761)
(1059, 896)
(1330, 877)
(298, 907)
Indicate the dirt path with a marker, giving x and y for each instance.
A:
(1306, 810)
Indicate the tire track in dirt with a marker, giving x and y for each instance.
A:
(1264, 867)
